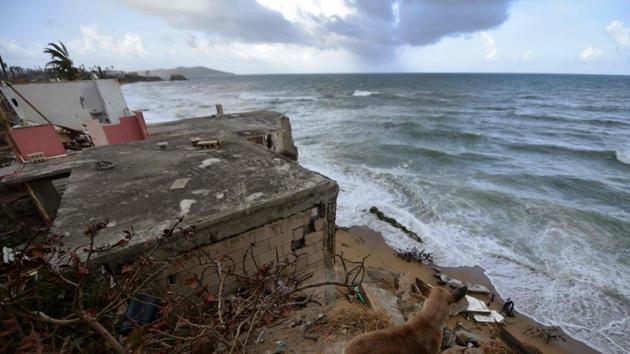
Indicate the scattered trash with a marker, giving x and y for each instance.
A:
(358, 294)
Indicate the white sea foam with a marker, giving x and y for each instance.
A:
(623, 156)
(361, 93)
(566, 288)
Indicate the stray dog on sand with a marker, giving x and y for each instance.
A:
(421, 334)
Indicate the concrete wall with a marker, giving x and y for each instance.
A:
(69, 104)
(307, 234)
(283, 143)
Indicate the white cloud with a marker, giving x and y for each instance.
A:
(490, 45)
(528, 55)
(246, 57)
(369, 29)
(590, 53)
(14, 50)
(97, 43)
(301, 10)
(619, 33)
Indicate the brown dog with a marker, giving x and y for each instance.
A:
(421, 334)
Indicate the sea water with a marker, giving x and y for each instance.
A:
(527, 176)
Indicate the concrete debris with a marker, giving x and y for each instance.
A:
(454, 283)
(476, 306)
(383, 301)
(180, 183)
(184, 206)
(208, 162)
(492, 317)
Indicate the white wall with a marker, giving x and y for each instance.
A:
(70, 104)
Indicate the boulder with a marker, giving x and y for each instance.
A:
(383, 301)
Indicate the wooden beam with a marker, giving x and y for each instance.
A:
(38, 204)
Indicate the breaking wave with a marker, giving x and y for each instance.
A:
(623, 156)
(361, 93)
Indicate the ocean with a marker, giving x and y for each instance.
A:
(527, 176)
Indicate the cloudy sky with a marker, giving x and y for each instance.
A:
(313, 36)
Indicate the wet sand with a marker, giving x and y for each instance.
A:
(359, 241)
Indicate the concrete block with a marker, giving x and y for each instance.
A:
(319, 224)
(264, 233)
(315, 257)
(298, 233)
(383, 301)
(314, 237)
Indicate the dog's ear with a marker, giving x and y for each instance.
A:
(424, 288)
(459, 293)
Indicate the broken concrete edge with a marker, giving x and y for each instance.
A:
(216, 229)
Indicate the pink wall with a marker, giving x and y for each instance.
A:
(130, 128)
(40, 138)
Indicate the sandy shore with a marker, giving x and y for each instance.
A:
(358, 241)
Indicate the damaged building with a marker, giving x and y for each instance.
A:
(238, 193)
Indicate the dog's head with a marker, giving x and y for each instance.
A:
(451, 296)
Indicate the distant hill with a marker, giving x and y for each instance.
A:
(188, 72)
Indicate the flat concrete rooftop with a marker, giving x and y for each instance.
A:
(241, 124)
(226, 190)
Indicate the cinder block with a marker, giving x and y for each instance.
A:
(319, 224)
(241, 241)
(314, 237)
(298, 233)
(264, 233)
(315, 257)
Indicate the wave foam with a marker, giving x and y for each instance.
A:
(623, 156)
(360, 93)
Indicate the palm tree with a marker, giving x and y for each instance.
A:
(61, 61)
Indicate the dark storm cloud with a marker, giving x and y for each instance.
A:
(377, 26)
(372, 31)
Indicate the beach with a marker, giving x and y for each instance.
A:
(359, 241)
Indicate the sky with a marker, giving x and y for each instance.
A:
(325, 36)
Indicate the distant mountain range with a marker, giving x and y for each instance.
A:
(188, 72)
